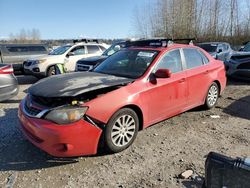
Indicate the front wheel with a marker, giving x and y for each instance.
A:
(121, 130)
(51, 71)
(212, 96)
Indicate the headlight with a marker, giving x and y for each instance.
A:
(35, 62)
(42, 61)
(66, 115)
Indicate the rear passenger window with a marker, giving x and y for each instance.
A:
(204, 57)
(193, 58)
(93, 49)
(171, 61)
(26, 49)
(17, 49)
(37, 48)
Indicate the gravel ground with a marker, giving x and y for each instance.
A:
(159, 154)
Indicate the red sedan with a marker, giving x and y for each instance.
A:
(71, 114)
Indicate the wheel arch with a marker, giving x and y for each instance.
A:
(219, 85)
(47, 69)
(139, 113)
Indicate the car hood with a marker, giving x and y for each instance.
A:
(43, 57)
(92, 60)
(74, 84)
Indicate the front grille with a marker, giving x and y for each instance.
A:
(244, 66)
(31, 110)
(84, 67)
(27, 63)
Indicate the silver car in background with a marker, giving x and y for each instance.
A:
(16, 54)
(219, 50)
(8, 82)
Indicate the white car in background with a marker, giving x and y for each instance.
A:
(67, 55)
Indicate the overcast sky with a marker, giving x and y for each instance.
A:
(59, 19)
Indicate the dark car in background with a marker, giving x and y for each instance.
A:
(87, 64)
(238, 65)
(219, 50)
(8, 82)
(16, 54)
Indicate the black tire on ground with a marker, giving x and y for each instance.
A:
(212, 96)
(51, 71)
(121, 130)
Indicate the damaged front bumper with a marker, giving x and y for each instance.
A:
(76, 139)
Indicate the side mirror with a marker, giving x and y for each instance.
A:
(219, 50)
(70, 54)
(117, 48)
(163, 73)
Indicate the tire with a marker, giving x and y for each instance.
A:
(116, 137)
(51, 71)
(212, 96)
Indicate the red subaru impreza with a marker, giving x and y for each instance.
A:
(66, 115)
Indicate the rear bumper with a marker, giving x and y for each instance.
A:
(76, 139)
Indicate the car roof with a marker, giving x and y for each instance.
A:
(87, 43)
(172, 46)
(215, 43)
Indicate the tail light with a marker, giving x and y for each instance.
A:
(8, 69)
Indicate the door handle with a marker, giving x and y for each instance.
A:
(182, 80)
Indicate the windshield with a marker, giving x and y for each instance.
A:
(60, 50)
(247, 47)
(112, 49)
(208, 47)
(130, 63)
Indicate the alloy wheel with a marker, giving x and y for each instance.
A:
(212, 95)
(123, 130)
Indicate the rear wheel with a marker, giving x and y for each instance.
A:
(212, 96)
(51, 71)
(121, 130)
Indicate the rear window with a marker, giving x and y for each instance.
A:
(26, 48)
(204, 57)
(93, 49)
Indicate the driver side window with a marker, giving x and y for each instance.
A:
(79, 50)
(172, 61)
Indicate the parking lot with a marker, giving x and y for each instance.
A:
(159, 154)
